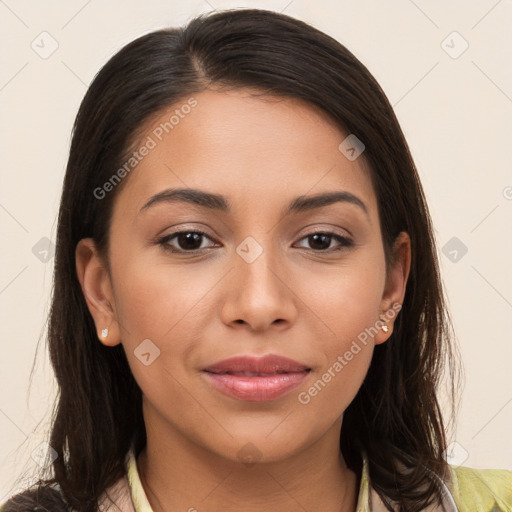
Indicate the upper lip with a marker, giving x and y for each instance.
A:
(267, 364)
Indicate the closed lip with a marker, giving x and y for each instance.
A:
(266, 365)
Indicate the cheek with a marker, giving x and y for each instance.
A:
(346, 300)
(348, 306)
(154, 297)
(164, 304)
(334, 386)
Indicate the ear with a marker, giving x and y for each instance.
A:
(97, 289)
(394, 290)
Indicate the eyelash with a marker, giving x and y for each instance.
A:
(164, 242)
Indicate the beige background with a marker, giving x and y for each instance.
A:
(455, 110)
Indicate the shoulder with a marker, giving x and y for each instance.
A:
(482, 490)
(49, 498)
(42, 498)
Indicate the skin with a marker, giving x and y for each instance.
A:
(297, 299)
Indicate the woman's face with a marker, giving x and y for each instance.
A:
(256, 283)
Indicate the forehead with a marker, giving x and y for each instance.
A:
(253, 148)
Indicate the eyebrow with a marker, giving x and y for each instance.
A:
(222, 204)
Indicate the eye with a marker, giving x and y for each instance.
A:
(322, 240)
(190, 241)
(187, 241)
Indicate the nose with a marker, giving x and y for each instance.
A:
(259, 290)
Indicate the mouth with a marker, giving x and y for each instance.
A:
(256, 379)
(254, 374)
(270, 364)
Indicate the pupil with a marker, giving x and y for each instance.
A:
(189, 240)
(316, 237)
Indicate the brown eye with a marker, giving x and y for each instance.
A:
(321, 241)
(186, 241)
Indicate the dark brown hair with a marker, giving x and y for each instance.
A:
(395, 417)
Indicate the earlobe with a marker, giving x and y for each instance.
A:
(396, 282)
(97, 289)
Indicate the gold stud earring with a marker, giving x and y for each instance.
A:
(385, 328)
(104, 333)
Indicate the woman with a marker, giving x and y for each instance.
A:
(247, 310)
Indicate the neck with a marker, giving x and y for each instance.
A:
(178, 474)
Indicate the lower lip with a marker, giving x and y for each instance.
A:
(256, 389)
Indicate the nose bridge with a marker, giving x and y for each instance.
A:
(260, 295)
(257, 261)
